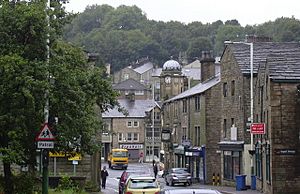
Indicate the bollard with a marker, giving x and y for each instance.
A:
(218, 179)
(213, 178)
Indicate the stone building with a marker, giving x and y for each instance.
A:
(194, 124)
(128, 130)
(277, 150)
(235, 145)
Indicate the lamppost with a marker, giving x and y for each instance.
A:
(251, 152)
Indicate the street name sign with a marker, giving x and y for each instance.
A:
(258, 128)
(45, 144)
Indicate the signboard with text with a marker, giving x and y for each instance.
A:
(258, 128)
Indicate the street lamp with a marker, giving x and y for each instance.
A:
(251, 152)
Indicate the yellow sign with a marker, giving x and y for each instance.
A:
(77, 156)
(57, 154)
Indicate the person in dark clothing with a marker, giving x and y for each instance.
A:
(104, 174)
(155, 169)
(153, 163)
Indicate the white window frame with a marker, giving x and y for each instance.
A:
(129, 136)
(120, 135)
(134, 124)
(137, 137)
(129, 124)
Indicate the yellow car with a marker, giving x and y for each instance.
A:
(142, 185)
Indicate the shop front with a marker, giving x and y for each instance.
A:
(179, 156)
(195, 162)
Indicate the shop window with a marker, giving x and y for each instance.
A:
(232, 164)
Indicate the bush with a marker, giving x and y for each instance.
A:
(66, 183)
(26, 183)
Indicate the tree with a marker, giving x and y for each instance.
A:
(198, 45)
(75, 87)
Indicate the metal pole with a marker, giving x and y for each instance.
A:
(251, 103)
(153, 122)
(46, 111)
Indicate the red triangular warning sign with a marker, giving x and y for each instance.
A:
(45, 134)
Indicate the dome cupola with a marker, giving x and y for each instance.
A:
(171, 65)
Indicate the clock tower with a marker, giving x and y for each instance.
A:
(171, 80)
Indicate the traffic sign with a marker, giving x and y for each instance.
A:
(258, 128)
(45, 144)
(45, 134)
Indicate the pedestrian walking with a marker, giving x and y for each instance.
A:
(153, 163)
(141, 160)
(104, 174)
(155, 170)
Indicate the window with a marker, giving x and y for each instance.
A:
(225, 89)
(232, 164)
(232, 87)
(197, 135)
(184, 135)
(135, 137)
(135, 123)
(258, 160)
(129, 124)
(129, 136)
(120, 137)
(225, 128)
(197, 102)
(149, 133)
(139, 92)
(184, 106)
(157, 116)
(232, 122)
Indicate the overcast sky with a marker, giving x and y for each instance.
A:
(206, 11)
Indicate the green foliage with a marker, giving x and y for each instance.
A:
(124, 34)
(67, 185)
(26, 183)
(197, 46)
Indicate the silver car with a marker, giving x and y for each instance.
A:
(178, 176)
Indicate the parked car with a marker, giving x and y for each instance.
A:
(126, 174)
(142, 184)
(190, 191)
(178, 175)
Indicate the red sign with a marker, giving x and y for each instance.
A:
(45, 134)
(258, 128)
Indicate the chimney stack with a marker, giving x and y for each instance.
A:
(207, 65)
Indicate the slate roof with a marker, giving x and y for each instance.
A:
(195, 73)
(129, 84)
(143, 68)
(197, 89)
(284, 67)
(136, 109)
(261, 50)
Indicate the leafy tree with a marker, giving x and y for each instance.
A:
(75, 87)
(198, 45)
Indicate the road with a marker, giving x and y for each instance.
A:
(112, 181)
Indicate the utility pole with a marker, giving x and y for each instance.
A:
(153, 121)
(45, 152)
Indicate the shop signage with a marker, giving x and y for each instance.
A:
(131, 146)
(285, 151)
(257, 128)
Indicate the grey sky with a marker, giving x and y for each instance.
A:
(186, 11)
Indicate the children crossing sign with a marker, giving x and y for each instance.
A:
(45, 134)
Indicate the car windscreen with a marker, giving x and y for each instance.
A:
(142, 184)
(180, 171)
(119, 154)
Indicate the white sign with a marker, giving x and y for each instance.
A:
(131, 146)
(45, 144)
(75, 162)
